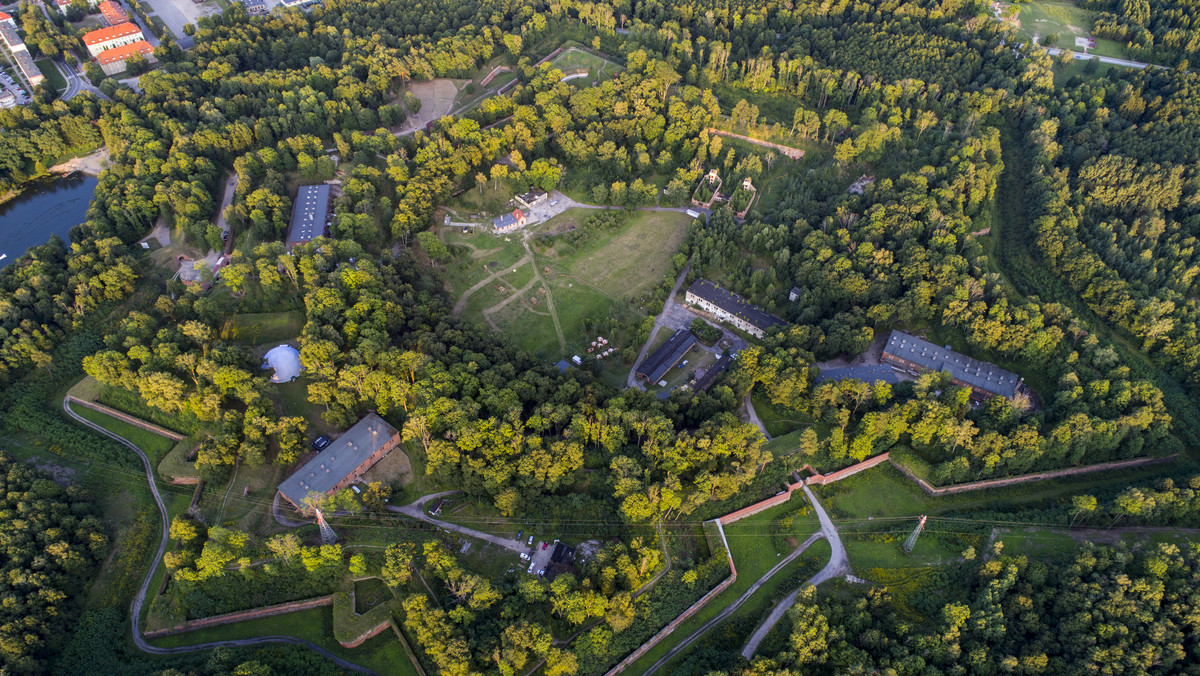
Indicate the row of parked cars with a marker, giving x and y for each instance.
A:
(10, 85)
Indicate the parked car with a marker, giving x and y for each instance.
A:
(530, 541)
(520, 534)
(545, 545)
(321, 442)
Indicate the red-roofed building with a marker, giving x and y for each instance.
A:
(113, 14)
(109, 38)
(112, 61)
(5, 18)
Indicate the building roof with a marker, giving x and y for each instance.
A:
(734, 304)
(534, 194)
(338, 460)
(124, 52)
(667, 355)
(506, 220)
(102, 35)
(4, 16)
(113, 13)
(710, 376)
(867, 374)
(25, 62)
(285, 360)
(310, 213)
(978, 374)
(254, 3)
(563, 553)
(8, 33)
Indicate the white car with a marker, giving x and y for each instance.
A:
(530, 571)
(530, 541)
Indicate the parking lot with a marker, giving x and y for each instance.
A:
(542, 552)
(176, 13)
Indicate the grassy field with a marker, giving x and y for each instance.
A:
(510, 289)
(155, 446)
(263, 327)
(54, 77)
(598, 68)
(1067, 21)
(778, 421)
(383, 653)
(1062, 74)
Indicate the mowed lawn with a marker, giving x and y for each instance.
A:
(1067, 21)
(383, 653)
(630, 260)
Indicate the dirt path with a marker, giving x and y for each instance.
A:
(416, 510)
(537, 274)
(753, 416)
(516, 294)
(462, 301)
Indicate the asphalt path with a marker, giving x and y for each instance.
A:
(753, 416)
(838, 566)
(416, 510)
(139, 600)
(1111, 60)
(732, 607)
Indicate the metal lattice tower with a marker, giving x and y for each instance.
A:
(912, 538)
(327, 535)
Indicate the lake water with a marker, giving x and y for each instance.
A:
(49, 208)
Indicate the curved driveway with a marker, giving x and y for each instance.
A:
(139, 600)
(416, 510)
(838, 566)
(732, 607)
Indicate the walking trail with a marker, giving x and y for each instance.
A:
(139, 599)
(462, 302)
(416, 510)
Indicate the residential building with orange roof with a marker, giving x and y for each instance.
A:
(112, 13)
(112, 61)
(112, 37)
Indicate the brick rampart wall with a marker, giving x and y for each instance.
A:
(824, 480)
(369, 634)
(674, 624)
(1026, 478)
(253, 614)
(125, 417)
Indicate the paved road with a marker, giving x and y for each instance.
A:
(631, 380)
(1111, 60)
(283, 520)
(838, 566)
(416, 510)
(139, 600)
(733, 607)
(230, 186)
(753, 416)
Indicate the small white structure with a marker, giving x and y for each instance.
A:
(285, 359)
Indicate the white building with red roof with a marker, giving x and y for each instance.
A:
(112, 37)
(112, 61)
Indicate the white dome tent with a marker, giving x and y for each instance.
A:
(285, 359)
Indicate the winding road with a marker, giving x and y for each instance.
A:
(838, 566)
(139, 600)
(416, 510)
(733, 607)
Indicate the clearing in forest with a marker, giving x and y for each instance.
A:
(581, 66)
(1065, 20)
(547, 295)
